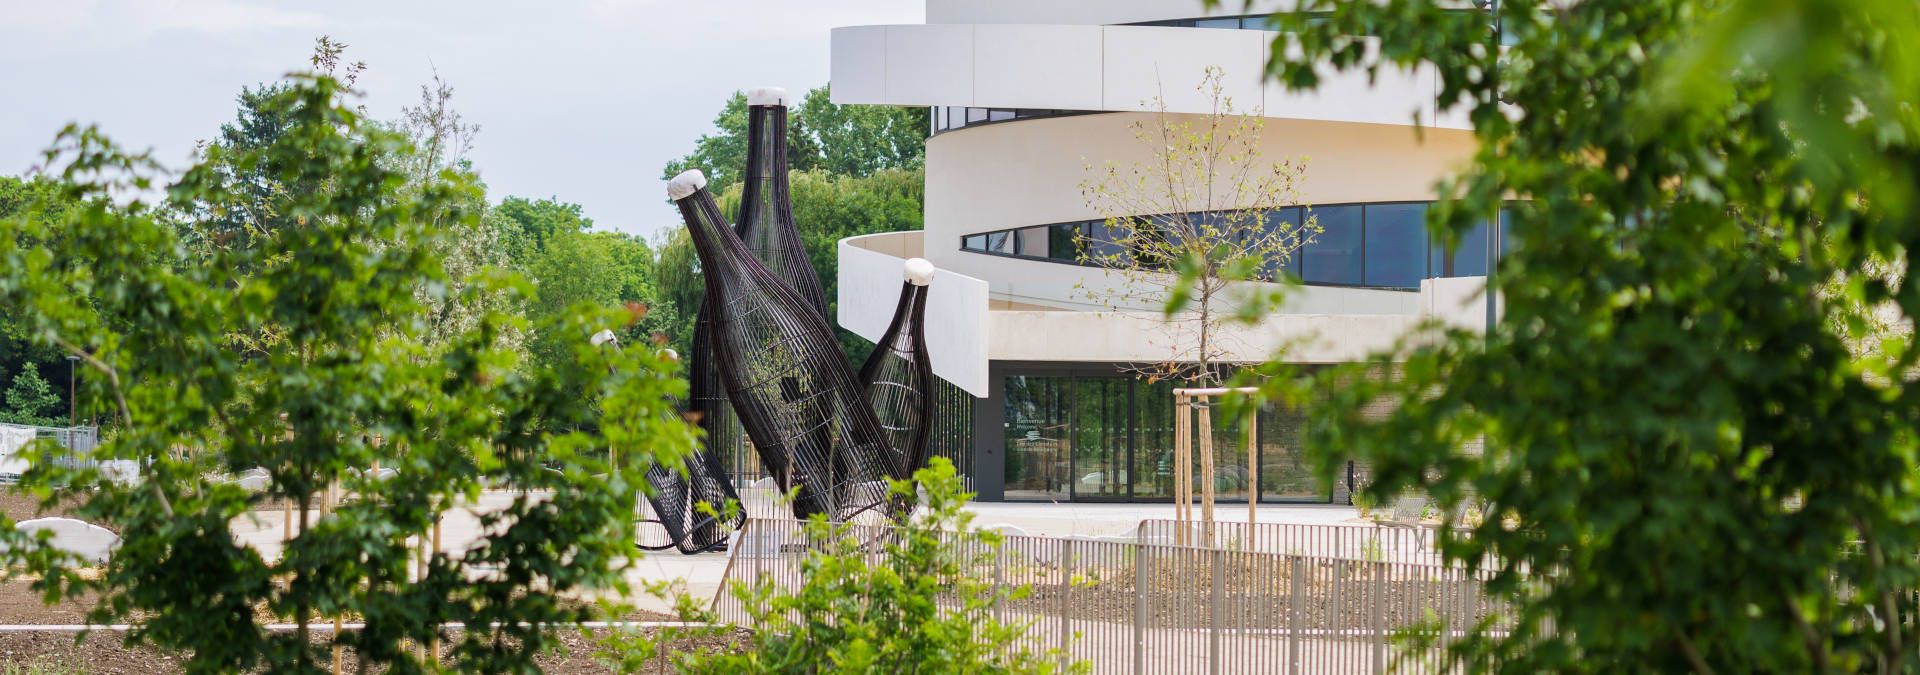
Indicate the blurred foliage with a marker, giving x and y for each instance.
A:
(1684, 465)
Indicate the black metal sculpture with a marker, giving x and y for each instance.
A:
(898, 375)
(766, 209)
(789, 384)
(767, 228)
(676, 498)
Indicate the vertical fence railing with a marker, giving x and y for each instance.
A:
(1381, 542)
(1153, 608)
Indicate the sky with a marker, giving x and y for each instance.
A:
(582, 100)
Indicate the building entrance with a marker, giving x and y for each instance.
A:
(1109, 437)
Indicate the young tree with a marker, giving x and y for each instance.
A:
(1194, 226)
(1685, 468)
(29, 399)
(438, 140)
(151, 319)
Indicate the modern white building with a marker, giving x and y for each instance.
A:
(1026, 94)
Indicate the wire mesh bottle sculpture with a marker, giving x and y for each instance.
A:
(766, 208)
(766, 226)
(675, 499)
(898, 375)
(792, 389)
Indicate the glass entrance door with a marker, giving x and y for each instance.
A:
(1109, 437)
(1038, 426)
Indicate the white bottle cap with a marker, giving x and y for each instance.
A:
(685, 184)
(919, 271)
(767, 96)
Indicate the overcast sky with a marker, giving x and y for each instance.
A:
(584, 100)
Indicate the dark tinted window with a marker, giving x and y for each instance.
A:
(999, 115)
(1280, 222)
(1100, 239)
(1061, 244)
(1470, 259)
(1506, 232)
(1231, 22)
(974, 242)
(1334, 256)
(976, 115)
(1396, 245)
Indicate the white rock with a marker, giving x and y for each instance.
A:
(122, 471)
(87, 540)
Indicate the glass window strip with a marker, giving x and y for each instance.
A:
(1340, 260)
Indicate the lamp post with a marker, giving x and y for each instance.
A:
(73, 393)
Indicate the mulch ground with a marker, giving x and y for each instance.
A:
(104, 652)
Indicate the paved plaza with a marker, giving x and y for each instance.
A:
(701, 574)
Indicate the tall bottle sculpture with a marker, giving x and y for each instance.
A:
(783, 371)
(766, 208)
(766, 226)
(898, 376)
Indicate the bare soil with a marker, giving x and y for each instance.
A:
(104, 652)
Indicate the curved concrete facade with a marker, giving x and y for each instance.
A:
(1108, 68)
(1046, 343)
(1030, 172)
(1089, 12)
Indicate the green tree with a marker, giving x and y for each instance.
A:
(845, 140)
(149, 317)
(857, 612)
(29, 399)
(249, 200)
(858, 140)
(19, 199)
(528, 225)
(573, 271)
(723, 154)
(1202, 201)
(1684, 466)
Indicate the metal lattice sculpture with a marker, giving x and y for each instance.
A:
(676, 499)
(784, 373)
(767, 228)
(766, 209)
(898, 375)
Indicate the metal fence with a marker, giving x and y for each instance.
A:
(1153, 608)
(1382, 542)
(76, 446)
